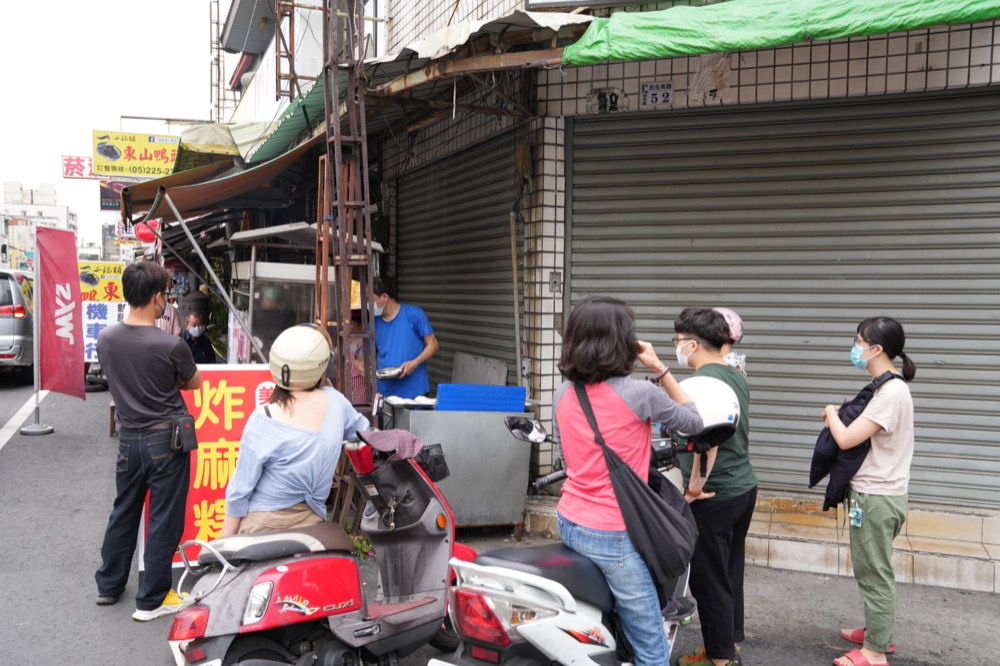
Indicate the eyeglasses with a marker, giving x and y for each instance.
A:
(680, 341)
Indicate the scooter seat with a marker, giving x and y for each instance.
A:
(271, 545)
(557, 563)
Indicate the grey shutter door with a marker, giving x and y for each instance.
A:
(806, 220)
(453, 252)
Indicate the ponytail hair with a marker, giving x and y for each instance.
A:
(909, 367)
(888, 333)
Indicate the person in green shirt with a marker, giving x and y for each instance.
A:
(724, 506)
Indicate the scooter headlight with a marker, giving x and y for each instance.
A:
(256, 606)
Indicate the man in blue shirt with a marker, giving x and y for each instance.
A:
(404, 339)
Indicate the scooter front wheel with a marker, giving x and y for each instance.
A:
(446, 639)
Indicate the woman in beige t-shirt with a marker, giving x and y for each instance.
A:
(877, 494)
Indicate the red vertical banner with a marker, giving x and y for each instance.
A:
(221, 407)
(57, 302)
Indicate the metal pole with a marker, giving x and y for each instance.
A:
(253, 286)
(215, 278)
(37, 428)
(517, 313)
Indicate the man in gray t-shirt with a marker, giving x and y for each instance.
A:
(146, 370)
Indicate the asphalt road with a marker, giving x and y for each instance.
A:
(56, 492)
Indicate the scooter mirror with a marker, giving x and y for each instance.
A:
(525, 429)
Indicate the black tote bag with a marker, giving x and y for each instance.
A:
(659, 523)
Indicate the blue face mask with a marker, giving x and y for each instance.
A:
(856, 352)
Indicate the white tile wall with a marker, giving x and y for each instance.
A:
(918, 61)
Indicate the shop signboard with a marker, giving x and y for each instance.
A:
(221, 408)
(134, 154)
(111, 193)
(78, 166)
(103, 301)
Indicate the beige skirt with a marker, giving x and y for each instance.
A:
(291, 518)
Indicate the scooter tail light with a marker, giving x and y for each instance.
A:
(476, 620)
(257, 600)
(189, 624)
(505, 614)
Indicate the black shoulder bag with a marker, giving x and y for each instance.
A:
(660, 524)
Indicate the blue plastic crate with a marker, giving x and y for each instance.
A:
(480, 398)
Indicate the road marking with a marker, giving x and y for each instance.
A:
(17, 420)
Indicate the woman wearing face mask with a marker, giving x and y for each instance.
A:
(197, 341)
(879, 488)
(724, 506)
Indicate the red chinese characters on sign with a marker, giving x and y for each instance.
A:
(161, 155)
(76, 166)
(221, 408)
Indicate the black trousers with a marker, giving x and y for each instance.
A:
(145, 463)
(717, 570)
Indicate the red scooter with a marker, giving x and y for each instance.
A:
(295, 597)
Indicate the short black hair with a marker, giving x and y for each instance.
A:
(142, 281)
(709, 326)
(384, 285)
(599, 341)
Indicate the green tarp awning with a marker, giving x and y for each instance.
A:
(742, 25)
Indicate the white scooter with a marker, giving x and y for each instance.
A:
(549, 604)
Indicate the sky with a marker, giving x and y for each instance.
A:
(70, 67)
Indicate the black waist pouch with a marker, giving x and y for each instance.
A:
(185, 439)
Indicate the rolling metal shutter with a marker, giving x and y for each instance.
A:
(453, 252)
(807, 219)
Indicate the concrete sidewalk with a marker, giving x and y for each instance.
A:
(939, 546)
(795, 617)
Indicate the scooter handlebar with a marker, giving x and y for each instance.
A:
(548, 479)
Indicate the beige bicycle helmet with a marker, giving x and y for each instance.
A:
(299, 358)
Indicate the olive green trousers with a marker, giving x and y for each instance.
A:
(882, 517)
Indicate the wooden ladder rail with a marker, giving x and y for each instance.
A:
(344, 205)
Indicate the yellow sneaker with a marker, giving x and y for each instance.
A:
(171, 604)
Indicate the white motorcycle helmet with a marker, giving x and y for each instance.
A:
(299, 358)
(719, 408)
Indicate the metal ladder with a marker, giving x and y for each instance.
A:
(344, 189)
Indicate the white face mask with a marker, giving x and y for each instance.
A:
(681, 357)
(195, 331)
(378, 309)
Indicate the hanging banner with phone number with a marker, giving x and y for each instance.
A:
(103, 300)
(133, 154)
